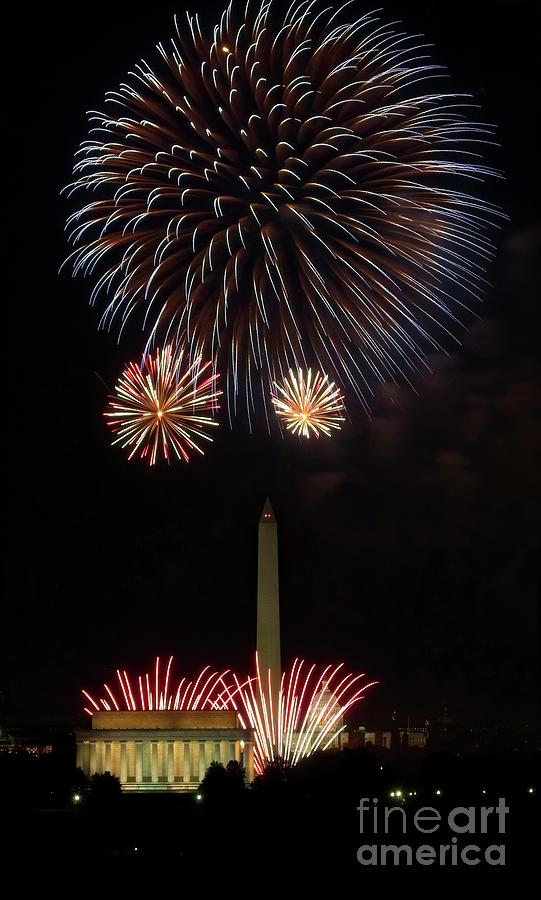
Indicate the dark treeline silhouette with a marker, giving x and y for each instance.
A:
(304, 816)
(222, 783)
(30, 781)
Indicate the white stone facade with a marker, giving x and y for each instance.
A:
(162, 759)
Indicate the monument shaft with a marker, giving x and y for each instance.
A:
(268, 600)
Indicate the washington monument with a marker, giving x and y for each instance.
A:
(268, 600)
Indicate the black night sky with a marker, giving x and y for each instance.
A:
(407, 542)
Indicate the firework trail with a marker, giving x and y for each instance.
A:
(155, 691)
(158, 407)
(310, 704)
(284, 193)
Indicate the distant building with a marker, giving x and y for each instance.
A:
(409, 737)
(414, 737)
(163, 750)
(36, 741)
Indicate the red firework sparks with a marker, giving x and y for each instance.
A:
(304, 715)
(156, 691)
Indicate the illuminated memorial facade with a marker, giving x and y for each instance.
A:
(163, 750)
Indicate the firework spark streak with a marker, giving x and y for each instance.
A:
(308, 404)
(310, 705)
(208, 691)
(158, 407)
(284, 194)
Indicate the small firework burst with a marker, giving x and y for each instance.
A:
(309, 405)
(156, 691)
(304, 715)
(159, 408)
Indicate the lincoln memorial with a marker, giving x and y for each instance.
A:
(163, 750)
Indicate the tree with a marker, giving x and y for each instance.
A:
(275, 775)
(236, 776)
(105, 790)
(220, 782)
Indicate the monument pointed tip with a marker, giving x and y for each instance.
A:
(267, 513)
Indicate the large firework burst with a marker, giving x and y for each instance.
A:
(282, 194)
(156, 690)
(157, 407)
(300, 716)
(309, 404)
